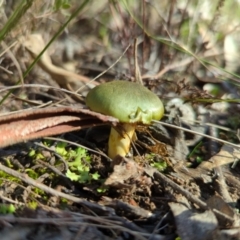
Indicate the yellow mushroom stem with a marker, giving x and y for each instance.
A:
(119, 143)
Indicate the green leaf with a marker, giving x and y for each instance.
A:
(84, 177)
(11, 208)
(79, 167)
(82, 168)
(64, 4)
(7, 208)
(8, 163)
(60, 148)
(39, 156)
(31, 153)
(160, 166)
(95, 176)
(31, 173)
(71, 175)
(32, 205)
(102, 189)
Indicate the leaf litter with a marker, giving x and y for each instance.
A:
(197, 194)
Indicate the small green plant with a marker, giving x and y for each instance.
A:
(155, 162)
(31, 173)
(196, 152)
(61, 149)
(32, 204)
(7, 208)
(61, 4)
(5, 176)
(199, 159)
(79, 166)
(102, 189)
(35, 155)
(8, 163)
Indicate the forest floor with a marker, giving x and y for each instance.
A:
(182, 177)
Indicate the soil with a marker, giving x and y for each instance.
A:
(181, 177)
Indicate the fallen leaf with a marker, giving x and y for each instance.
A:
(227, 155)
(34, 43)
(191, 225)
(218, 203)
(123, 170)
(36, 123)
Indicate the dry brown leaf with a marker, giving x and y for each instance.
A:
(34, 43)
(218, 203)
(192, 225)
(227, 155)
(36, 123)
(123, 170)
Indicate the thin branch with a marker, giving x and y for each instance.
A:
(51, 191)
(188, 195)
(198, 133)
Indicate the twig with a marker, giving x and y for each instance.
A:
(137, 74)
(34, 43)
(78, 145)
(102, 73)
(56, 154)
(6, 49)
(13, 58)
(200, 134)
(6, 70)
(11, 200)
(4, 89)
(74, 222)
(135, 211)
(220, 179)
(189, 196)
(30, 181)
(170, 67)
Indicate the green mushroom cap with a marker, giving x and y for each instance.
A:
(127, 101)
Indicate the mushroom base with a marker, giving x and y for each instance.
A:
(119, 144)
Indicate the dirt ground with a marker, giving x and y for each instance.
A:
(181, 179)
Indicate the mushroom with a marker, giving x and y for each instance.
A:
(129, 102)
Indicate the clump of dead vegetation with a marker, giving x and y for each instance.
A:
(182, 178)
